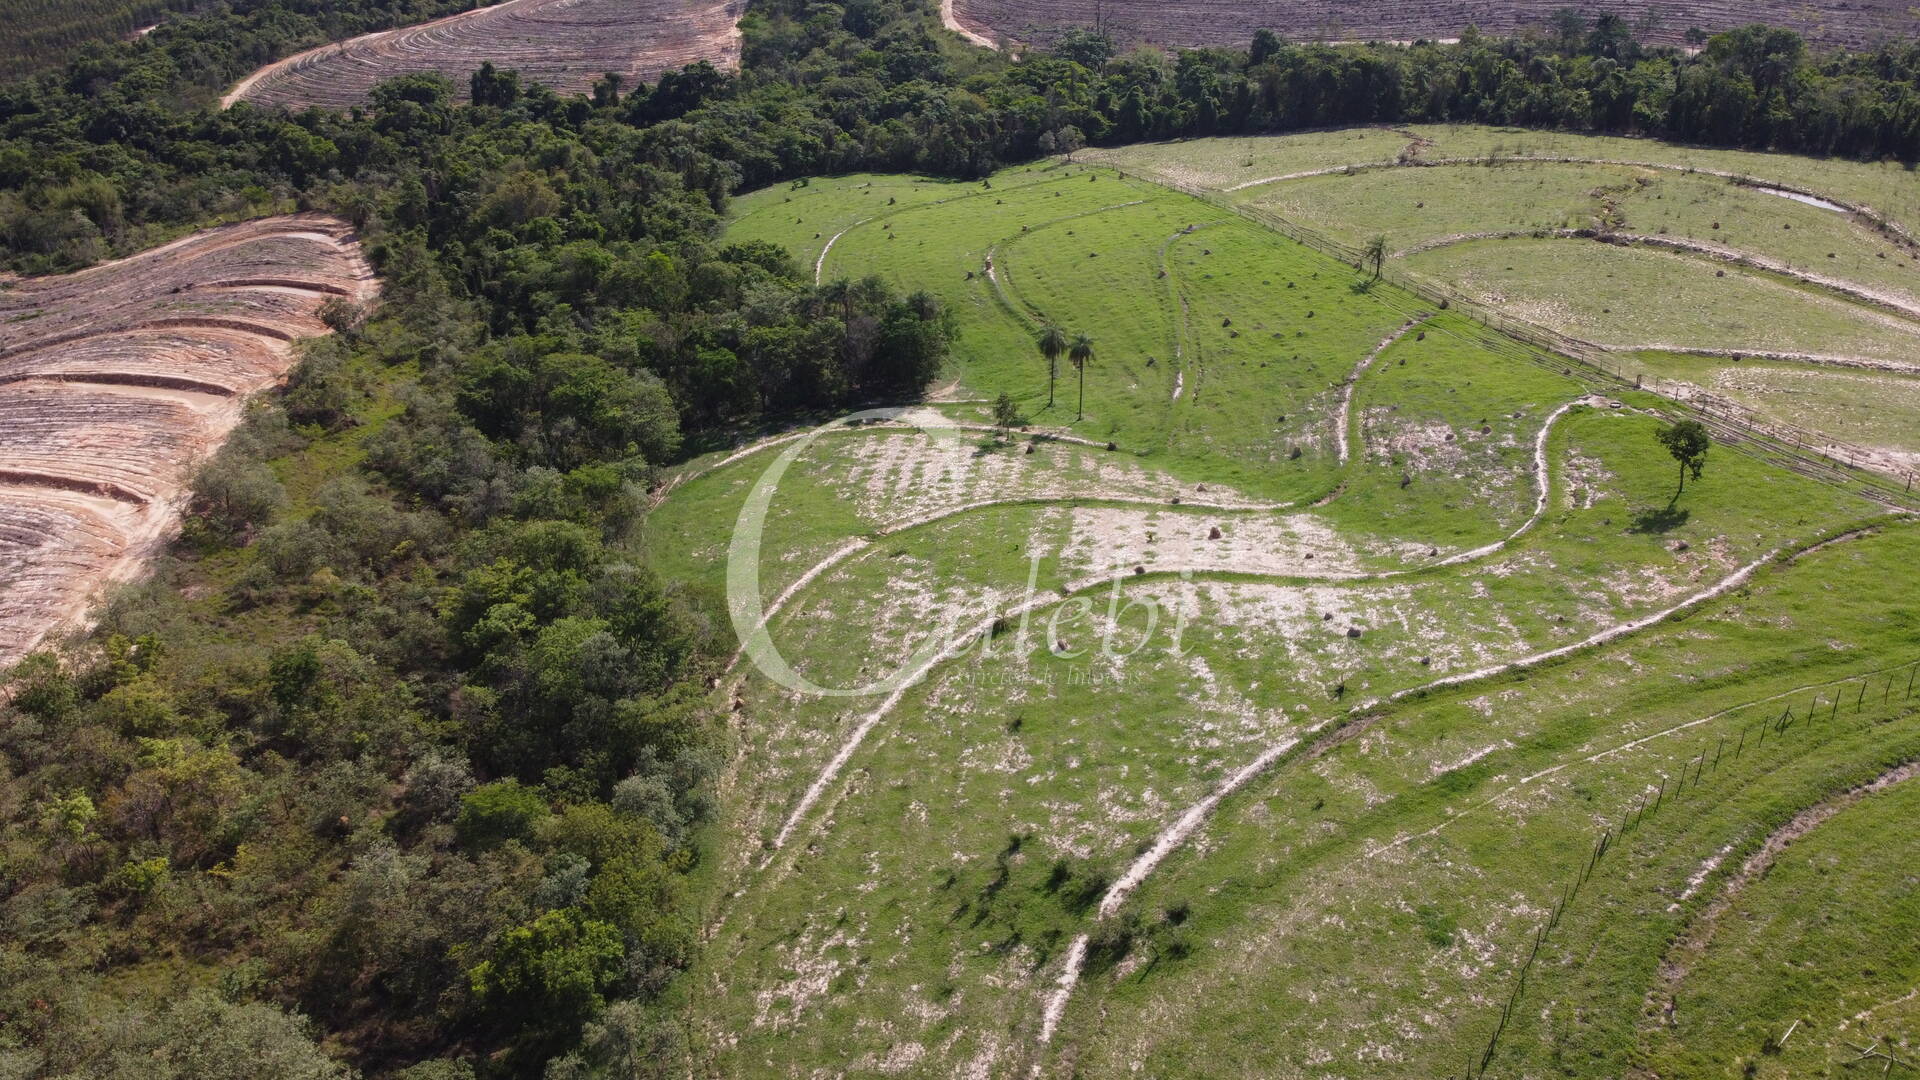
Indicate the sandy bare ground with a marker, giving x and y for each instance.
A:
(115, 381)
(951, 22)
(563, 44)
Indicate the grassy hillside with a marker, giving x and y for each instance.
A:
(1641, 249)
(1198, 620)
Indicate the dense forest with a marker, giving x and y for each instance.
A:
(399, 763)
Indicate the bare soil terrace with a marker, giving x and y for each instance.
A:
(115, 380)
(562, 44)
(1187, 23)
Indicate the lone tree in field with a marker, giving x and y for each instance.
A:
(1006, 415)
(1053, 342)
(1376, 255)
(1081, 355)
(1688, 442)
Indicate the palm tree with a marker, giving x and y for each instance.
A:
(1081, 354)
(1053, 342)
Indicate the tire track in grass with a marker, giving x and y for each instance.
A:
(1342, 425)
(1692, 942)
(820, 263)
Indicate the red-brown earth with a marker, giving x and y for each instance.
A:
(115, 382)
(563, 44)
(1852, 23)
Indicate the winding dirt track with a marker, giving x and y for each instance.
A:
(566, 45)
(116, 380)
(1187, 23)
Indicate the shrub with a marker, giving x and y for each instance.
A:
(495, 813)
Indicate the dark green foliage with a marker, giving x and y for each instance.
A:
(1688, 442)
(496, 813)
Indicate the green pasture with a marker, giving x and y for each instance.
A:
(1365, 911)
(1814, 960)
(1364, 907)
(1641, 298)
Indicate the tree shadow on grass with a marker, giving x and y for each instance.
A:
(1664, 520)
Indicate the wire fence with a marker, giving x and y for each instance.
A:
(1757, 724)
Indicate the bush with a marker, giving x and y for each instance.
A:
(495, 813)
(550, 975)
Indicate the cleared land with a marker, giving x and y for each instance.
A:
(563, 44)
(1261, 741)
(114, 381)
(1209, 22)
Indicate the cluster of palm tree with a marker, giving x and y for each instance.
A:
(1078, 351)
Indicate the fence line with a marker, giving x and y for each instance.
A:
(1632, 817)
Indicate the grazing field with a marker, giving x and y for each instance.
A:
(1874, 409)
(563, 44)
(116, 381)
(1628, 246)
(1203, 22)
(1806, 957)
(1638, 298)
(1254, 718)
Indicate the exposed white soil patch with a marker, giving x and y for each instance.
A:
(1699, 877)
(1802, 197)
(951, 22)
(1109, 541)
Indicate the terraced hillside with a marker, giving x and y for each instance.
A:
(1252, 717)
(116, 380)
(1772, 288)
(1209, 22)
(564, 44)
